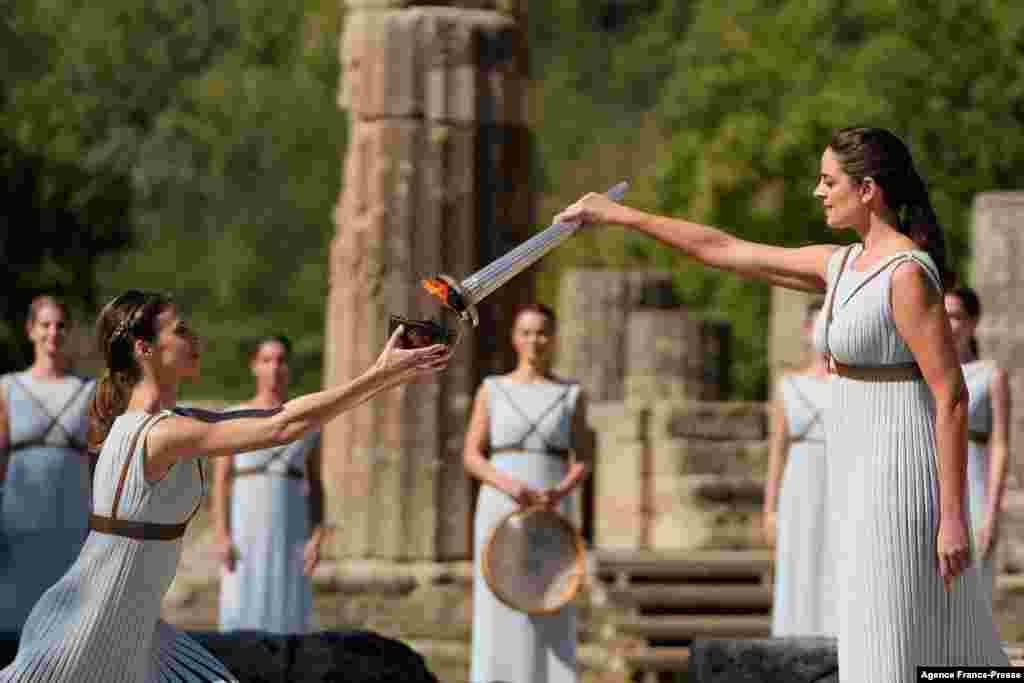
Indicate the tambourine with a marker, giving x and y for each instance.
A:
(533, 560)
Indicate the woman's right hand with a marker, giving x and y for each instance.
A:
(768, 527)
(591, 208)
(523, 495)
(403, 365)
(953, 549)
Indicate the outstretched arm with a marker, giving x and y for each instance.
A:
(180, 437)
(801, 268)
(921, 321)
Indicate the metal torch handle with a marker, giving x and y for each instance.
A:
(482, 283)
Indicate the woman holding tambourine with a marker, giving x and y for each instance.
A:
(528, 557)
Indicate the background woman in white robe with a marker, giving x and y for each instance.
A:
(44, 465)
(268, 510)
(988, 429)
(796, 510)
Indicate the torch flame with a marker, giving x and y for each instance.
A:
(438, 288)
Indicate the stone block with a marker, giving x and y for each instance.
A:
(688, 457)
(664, 355)
(594, 305)
(794, 660)
(711, 420)
(614, 421)
(619, 512)
(685, 518)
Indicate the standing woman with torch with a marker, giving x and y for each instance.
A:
(906, 593)
(988, 430)
(100, 623)
(529, 421)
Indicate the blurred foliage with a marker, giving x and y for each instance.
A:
(218, 122)
(757, 88)
(57, 221)
(222, 116)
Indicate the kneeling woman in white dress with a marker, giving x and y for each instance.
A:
(268, 511)
(529, 421)
(988, 430)
(100, 623)
(796, 496)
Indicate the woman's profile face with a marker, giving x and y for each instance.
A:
(270, 366)
(839, 195)
(48, 331)
(962, 324)
(533, 337)
(177, 346)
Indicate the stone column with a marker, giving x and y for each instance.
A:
(785, 343)
(435, 180)
(998, 277)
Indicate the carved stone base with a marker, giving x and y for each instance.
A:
(794, 660)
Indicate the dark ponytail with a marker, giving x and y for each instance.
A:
(878, 154)
(124, 319)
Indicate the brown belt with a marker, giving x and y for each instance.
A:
(980, 438)
(141, 531)
(544, 451)
(290, 473)
(900, 372)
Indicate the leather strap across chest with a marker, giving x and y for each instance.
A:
(890, 372)
(142, 531)
(39, 439)
(534, 427)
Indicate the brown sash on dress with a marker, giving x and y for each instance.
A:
(142, 531)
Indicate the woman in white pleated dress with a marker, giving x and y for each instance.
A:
(268, 512)
(44, 465)
(528, 421)
(906, 593)
(100, 623)
(988, 425)
(796, 496)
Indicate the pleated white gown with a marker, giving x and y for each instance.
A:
(801, 603)
(510, 646)
(978, 376)
(893, 613)
(100, 623)
(267, 590)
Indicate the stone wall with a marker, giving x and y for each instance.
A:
(678, 475)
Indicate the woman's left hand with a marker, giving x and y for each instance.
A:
(573, 478)
(953, 549)
(311, 555)
(985, 538)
